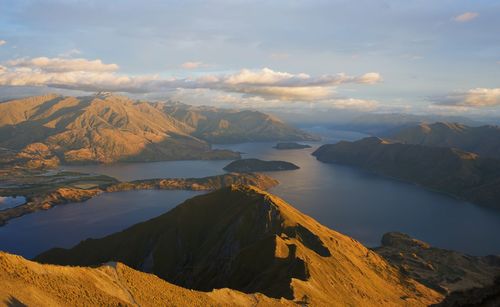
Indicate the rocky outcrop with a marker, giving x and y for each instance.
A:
(488, 296)
(461, 174)
(444, 270)
(245, 239)
(256, 165)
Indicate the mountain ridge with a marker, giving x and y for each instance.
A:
(256, 242)
(109, 128)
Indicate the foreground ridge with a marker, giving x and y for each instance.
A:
(243, 238)
(23, 282)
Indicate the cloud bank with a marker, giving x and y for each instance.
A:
(476, 98)
(94, 75)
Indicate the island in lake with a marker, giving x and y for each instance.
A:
(256, 165)
(290, 145)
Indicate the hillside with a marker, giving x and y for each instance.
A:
(484, 140)
(217, 125)
(459, 173)
(101, 128)
(27, 283)
(108, 128)
(245, 239)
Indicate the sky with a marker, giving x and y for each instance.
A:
(425, 56)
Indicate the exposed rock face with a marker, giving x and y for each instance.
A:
(443, 270)
(484, 140)
(488, 296)
(256, 165)
(65, 188)
(27, 283)
(234, 126)
(246, 239)
(449, 170)
(291, 145)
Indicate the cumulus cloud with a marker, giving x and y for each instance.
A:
(191, 65)
(57, 65)
(2, 42)
(465, 17)
(94, 75)
(477, 97)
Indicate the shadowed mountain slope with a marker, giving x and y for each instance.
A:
(449, 170)
(249, 240)
(484, 140)
(27, 283)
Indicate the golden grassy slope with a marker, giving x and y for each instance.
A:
(100, 129)
(114, 284)
(243, 238)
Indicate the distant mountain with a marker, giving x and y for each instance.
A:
(109, 128)
(449, 170)
(484, 140)
(27, 283)
(444, 270)
(217, 125)
(383, 124)
(245, 239)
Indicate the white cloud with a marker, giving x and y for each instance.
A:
(60, 65)
(2, 42)
(94, 75)
(465, 17)
(476, 97)
(191, 65)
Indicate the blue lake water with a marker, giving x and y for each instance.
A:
(346, 199)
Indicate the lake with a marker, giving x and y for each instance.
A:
(351, 201)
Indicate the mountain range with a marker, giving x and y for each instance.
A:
(107, 128)
(384, 124)
(484, 140)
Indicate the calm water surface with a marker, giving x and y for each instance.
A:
(359, 204)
